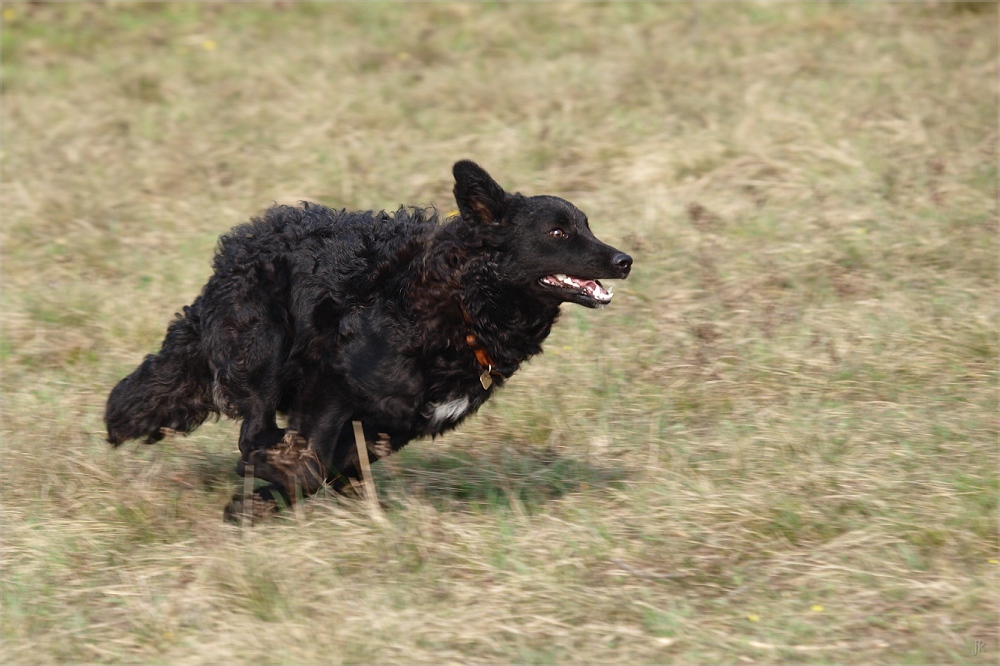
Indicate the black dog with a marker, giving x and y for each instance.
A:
(390, 319)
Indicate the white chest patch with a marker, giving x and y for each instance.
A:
(449, 411)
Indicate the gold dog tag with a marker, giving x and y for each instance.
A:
(486, 380)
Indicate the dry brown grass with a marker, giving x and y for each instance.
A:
(779, 443)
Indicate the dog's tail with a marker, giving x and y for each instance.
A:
(169, 391)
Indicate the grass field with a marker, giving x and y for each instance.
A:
(779, 444)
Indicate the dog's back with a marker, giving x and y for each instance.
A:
(281, 286)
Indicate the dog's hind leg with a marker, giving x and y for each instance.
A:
(256, 406)
(259, 431)
(247, 362)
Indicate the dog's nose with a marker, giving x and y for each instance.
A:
(622, 261)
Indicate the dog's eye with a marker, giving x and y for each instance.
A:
(557, 233)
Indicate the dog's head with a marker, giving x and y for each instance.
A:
(543, 244)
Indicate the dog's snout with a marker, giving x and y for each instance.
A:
(622, 261)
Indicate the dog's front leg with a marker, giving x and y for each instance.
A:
(292, 467)
(296, 466)
(293, 464)
(259, 430)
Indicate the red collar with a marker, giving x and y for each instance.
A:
(482, 355)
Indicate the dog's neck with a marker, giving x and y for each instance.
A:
(460, 296)
(509, 326)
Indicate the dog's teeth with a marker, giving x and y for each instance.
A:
(592, 288)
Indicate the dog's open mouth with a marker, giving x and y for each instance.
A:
(579, 286)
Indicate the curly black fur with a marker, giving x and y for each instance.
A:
(332, 316)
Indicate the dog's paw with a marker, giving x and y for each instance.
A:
(292, 464)
(258, 506)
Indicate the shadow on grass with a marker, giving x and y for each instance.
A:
(482, 479)
(488, 479)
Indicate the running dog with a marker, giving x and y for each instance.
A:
(395, 320)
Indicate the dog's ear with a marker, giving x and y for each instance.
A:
(479, 197)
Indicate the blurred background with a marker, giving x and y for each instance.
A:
(779, 443)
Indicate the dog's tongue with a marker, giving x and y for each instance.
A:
(592, 288)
